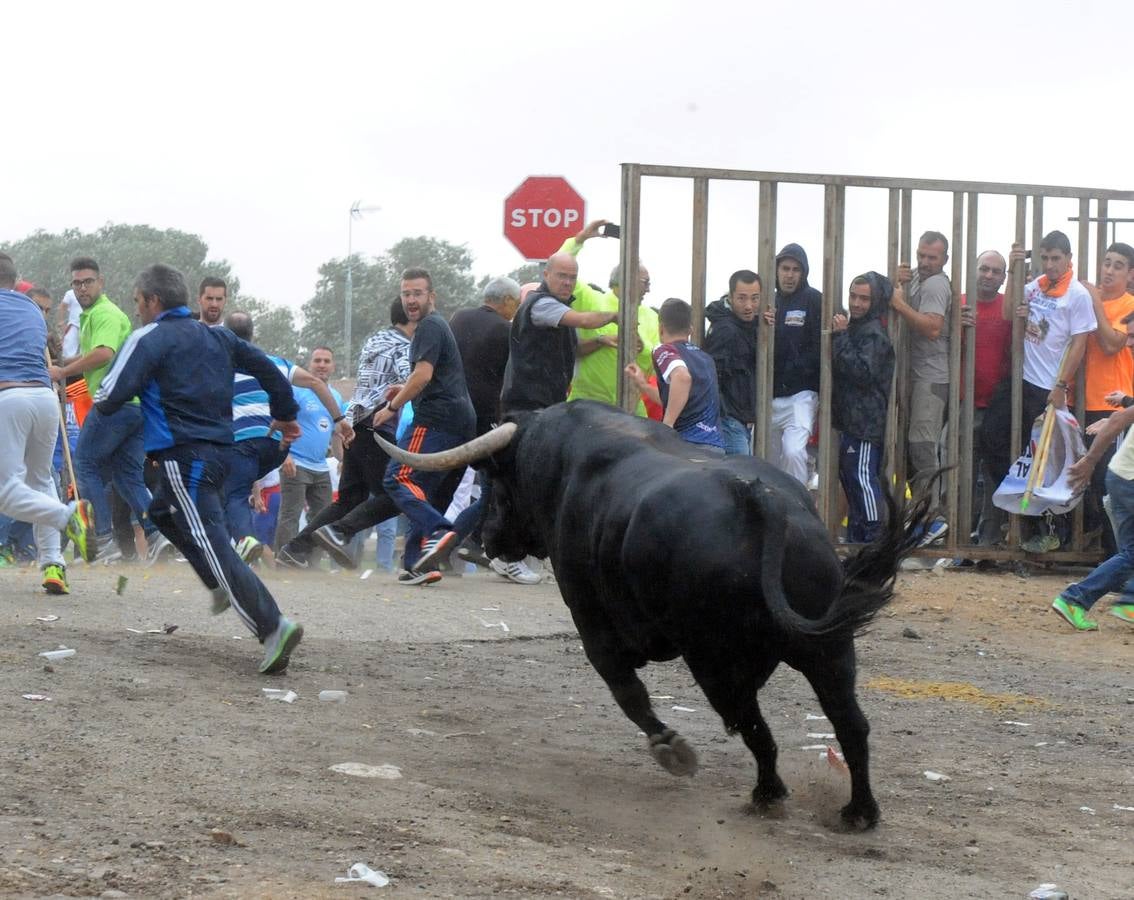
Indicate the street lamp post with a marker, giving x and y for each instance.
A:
(356, 212)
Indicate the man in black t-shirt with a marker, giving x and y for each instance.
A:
(443, 417)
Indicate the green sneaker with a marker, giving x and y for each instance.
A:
(279, 644)
(55, 579)
(7, 557)
(1123, 611)
(80, 530)
(1075, 615)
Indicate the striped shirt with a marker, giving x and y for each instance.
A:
(250, 413)
(383, 362)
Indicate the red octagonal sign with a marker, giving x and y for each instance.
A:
(541, 214)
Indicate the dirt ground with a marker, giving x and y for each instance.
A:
(518, 775)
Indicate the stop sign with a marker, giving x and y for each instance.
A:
(541, 214)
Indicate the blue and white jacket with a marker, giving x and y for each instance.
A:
(182, 371)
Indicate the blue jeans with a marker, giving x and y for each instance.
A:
(188, 509)
(248, 461)
(110, 449)
(414, 490)
(737, 437)
(1117, 573)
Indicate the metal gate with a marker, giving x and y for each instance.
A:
(962, 271)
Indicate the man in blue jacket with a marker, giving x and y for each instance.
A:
(182, 371)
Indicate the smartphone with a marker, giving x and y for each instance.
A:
(610, 230)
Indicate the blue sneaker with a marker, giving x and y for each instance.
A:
(934, 533)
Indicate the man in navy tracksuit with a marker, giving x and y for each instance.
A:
(862, 365)
(183, 372)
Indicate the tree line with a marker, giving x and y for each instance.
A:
(122, 251)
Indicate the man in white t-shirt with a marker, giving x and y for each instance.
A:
(1060, 318)
(69, 311)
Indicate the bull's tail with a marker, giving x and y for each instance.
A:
(868, 576)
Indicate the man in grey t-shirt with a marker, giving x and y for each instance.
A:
(922, 299)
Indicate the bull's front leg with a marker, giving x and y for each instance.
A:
(616, 665)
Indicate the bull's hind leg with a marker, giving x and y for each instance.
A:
(732, 693)
(832, 679)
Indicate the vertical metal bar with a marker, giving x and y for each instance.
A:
(1019, 277)
(1037, 232)
(630, 288)
(967, 475)
(700, 252)
(902, 355)
(1100, 242)
(959, 529)
(889, 454)
(1083, 265)
(832, 203)
(766, 343)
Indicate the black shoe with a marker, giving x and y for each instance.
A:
(422, 578)
(291, 559)
(338, 548)
(471, 551)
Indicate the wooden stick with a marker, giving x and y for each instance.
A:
(1039, 462)
(61, 392)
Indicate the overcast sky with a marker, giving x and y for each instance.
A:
(257, 128)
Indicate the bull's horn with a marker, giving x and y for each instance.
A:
(467, 453)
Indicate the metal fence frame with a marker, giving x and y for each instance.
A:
(966, 201)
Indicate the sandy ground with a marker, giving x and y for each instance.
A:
(518, 775)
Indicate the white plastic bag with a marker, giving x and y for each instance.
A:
(1052, 493)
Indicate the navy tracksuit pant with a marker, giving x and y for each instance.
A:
(859, 466)
(188, 508)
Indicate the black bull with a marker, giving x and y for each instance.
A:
(662, 550)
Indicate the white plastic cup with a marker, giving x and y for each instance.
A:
(57, 654)
(333, 696)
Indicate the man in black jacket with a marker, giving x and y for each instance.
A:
(731, 342)
(541, 356)
(795, 392)
(862, 365)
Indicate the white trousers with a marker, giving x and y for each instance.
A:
(793, 421)
(30, 418)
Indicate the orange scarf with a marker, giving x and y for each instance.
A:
(1060, 287)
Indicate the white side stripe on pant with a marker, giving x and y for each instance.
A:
(200, 537)
(869, 501)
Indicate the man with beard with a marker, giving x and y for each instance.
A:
(211, 296)
(862, 365)
(731, 342)
(795, 394)
(443, 417)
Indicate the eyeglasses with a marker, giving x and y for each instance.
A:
(80, 283)
(414, 295)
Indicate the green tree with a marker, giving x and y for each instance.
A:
(528, 272)
(274, 329)
(375, 284)
(122, 251)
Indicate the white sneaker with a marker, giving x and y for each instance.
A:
(515, 571)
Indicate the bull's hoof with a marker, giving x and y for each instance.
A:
(673, 753)
(860, 818)
(769, 792)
